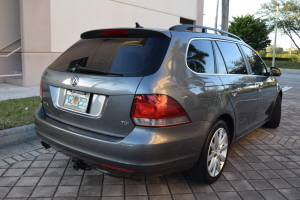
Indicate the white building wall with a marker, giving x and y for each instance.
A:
(70, 18)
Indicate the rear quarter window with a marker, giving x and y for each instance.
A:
(200, 56)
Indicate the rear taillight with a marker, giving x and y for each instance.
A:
(41, 91)
(157, 110)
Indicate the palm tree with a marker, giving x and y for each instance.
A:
(225, 15)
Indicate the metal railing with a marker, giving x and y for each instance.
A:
(5, 56)
(11, 75)
(9, 54)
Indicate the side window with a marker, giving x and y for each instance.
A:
(200, 57)
(257, 65)
(219, 60)
(233, 58)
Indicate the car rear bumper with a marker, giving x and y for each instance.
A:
(144, 152)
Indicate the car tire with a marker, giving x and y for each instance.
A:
(213, 156)
(274, 120)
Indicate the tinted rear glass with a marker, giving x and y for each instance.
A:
(127, 56)
(257, 65)
(200, 57)
(233, 58)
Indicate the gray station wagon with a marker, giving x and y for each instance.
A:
(137, 102)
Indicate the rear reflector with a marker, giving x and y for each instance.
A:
(116, 168)
(157, 110)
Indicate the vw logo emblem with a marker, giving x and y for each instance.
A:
(74, 81)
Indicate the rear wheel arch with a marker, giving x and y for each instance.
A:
(280, 94)
(230, 124)
(212, 159)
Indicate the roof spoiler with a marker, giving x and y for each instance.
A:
(123, 33)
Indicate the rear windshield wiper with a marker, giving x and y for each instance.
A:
(94, 71)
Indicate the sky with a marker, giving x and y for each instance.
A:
(238, 8)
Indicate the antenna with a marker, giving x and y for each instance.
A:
(137, 25)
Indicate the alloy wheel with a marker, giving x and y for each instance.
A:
(217, 152)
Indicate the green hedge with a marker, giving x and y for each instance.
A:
(283, 57)
(279, 59)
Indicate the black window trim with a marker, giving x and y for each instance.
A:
(215, 56)
(249, 70)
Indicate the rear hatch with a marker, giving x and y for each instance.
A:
(92, 85)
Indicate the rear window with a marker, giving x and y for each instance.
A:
(127, 56)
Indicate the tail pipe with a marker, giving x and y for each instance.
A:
(47, 146)
(79, 164)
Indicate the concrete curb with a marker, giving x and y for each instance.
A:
(21, 139)
(17, 135)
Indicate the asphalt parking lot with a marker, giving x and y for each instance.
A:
(264, 165)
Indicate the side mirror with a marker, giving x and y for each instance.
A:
(275, 71)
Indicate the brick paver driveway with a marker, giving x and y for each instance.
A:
(264, 165)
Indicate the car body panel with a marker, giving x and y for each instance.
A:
(143, 150)
(267, 94)
(119, 93)
(242, 92)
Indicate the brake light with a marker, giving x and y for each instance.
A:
(41, 90)
(113, 33)
(157, 110)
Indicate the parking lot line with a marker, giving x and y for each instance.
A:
(286, 88)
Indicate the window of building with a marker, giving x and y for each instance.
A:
(186, 21)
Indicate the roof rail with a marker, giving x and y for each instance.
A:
(183, 27)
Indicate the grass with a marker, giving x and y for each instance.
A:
(17, 112)
(284, 64)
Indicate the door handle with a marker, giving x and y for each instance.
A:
(233, 92)
(260, 86)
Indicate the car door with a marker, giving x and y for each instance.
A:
(266, 85)
(239, 85)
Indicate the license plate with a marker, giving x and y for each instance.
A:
(77, 101)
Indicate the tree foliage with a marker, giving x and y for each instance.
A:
(278, 49)
(288, 17)
(292, 50)
(253, 31)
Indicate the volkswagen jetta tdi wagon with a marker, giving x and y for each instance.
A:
(137, 102)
